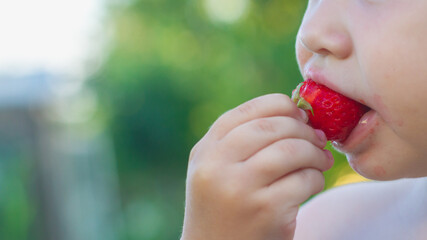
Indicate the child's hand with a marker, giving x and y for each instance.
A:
(248, 175)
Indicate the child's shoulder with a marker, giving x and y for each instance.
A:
(344, 212)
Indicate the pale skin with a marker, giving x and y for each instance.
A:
(248, 176)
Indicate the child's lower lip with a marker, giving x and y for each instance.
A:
(360, 133)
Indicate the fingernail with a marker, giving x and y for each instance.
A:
(303, 114)
(330, 157)
(321, 135)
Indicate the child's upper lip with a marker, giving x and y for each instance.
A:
(317, 76)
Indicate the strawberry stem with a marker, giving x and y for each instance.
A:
(300, 101)
(303, 104)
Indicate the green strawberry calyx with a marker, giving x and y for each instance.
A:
(300, 101)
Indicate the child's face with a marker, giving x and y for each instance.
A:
(374, 51)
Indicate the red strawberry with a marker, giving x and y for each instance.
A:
(332, 112)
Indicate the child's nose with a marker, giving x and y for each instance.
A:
(323, 30)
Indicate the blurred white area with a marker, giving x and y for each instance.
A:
(52, 35)
(226, 11)
(61, 39)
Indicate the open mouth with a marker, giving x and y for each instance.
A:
(332, 112)
(362, 131)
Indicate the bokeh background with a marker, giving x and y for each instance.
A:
(102, 100)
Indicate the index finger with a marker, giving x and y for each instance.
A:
(264, 106)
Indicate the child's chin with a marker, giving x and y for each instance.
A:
(370, 168)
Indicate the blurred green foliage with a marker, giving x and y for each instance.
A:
(170, 73)
(16, 212)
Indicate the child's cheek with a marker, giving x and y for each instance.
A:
(302, 54)
(382, 109)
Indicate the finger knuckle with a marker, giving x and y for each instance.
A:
(265, 205)
(313, 177)
(232, 193)
(217, 127)
(307, 175)
(203, 176)
(264, 125)
(289, 148)
(247, 108)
